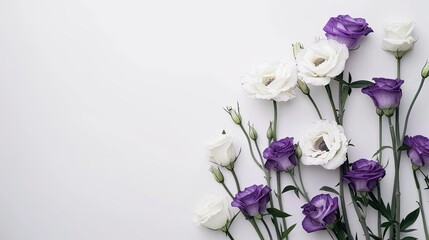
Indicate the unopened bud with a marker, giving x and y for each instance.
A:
(425, 70)
(217, 174)
(298, 151)
(270, 132)
(303, 87)
(252, 133)
(235, 115)
(296, 47)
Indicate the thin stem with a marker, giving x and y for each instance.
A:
(279, 199)
(303, 193)
(340, 102)
(361, 217)
(331, 100)
(229, 235)
(275, 121)
(250, 146)
(259, 153)
(411, 107)
(302, 183)
(422, 209)
(227, 190)
(343, 205)
(267, 228)
(315, 106)
(330, 234)
(398, 67)
(396, 194)
(237, 184)
(258, 231)
(380, 158)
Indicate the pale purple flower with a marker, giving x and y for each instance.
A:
(252, 200)
(280, 155)
(385, 93)
(418, 151)
(364, 175)
(347, 30)
(319, 212)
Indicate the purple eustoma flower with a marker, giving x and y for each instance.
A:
(319, 212)
(364, 175)
(280, 155)
(385, 93)
(418, 151)
(252, 200)
(347, 30)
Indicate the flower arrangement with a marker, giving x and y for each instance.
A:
(325, 144)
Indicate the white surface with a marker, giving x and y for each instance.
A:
(106, 107)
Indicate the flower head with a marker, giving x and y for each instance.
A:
(364, 175)
(347, 30)
(280, 155)
(319, 212)
(213, 213)
(324, 144)
(222, 151)
(322, 61)
(418, 151)
(385, 93)
(272, 81)
(252, 200)
(398, 37)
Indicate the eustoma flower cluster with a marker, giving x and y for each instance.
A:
(324, 144)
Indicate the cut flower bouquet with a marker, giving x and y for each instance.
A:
(324, 144)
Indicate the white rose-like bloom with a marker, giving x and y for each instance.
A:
(322, 61)
(397, 37)
(272, 81)
(222, 151)
(214, 213)
(324, 144)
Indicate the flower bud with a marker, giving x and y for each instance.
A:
(303, 87)
(296, 47)
(252, 133)
(270, 132)
(425, 70)
(298, 151)
(235, 115)
(217, 174)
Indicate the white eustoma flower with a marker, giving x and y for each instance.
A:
(222, 151)
(272, 81)
(322, 61)
(324, 144)
(397, 36)
(214, 213)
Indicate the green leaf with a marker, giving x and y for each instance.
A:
(291, 188)
(410, 219)
(408, 238)
(381, 149)
(360, 84)
(329, 189)
(277, 213)
(286, 233)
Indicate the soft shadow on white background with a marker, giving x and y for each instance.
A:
(106, 107)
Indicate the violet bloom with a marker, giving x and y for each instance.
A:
(385, 93)
(252, 200)
(347, 30)
(280, 155)
(319, 212)
(418, 151)
(364, 175)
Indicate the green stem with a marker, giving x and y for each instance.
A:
(303, 193)
(361, 218)
(267, 228)
(227, 190)
(275, 121)
(237, 184)
(250, 146)
(422, 209)
(302, 182)
(258, 231)
(331, 100)
(279, 199)
(330, 233)
(229, 235)
(380, 158)
(315, 106)
(398, 67)
(396, 194)
(411, 107)
(343, 205)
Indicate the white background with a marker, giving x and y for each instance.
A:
(106, 107)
